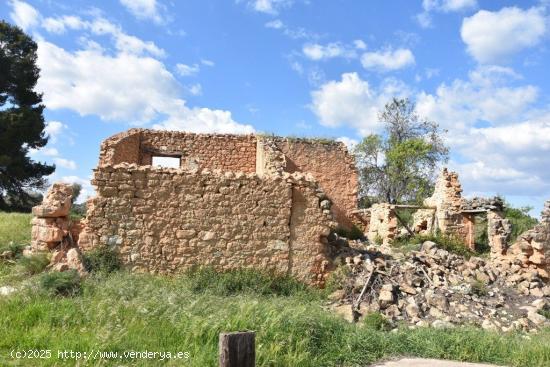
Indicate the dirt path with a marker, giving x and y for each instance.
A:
(420, 362)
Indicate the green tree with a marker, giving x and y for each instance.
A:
(21, 119)
(398, 166)
(77, 189)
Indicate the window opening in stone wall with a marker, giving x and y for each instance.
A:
(168, 162)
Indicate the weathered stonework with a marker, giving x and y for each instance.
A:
(235, 201)
(383, 224)
(165, 220)
(532, 247)
(52, 230)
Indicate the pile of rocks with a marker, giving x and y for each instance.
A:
(52, 230)
(438, 288)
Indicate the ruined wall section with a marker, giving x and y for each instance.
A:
(121, 148)
(383, 224)
(532, 248)
(331, 165)
(197, 151)
(166, 220)
(211, 151)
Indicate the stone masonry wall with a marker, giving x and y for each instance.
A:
(213, 151)
(165, 220)
(331, 165)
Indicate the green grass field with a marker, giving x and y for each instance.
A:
(121, 311)
(15, 227)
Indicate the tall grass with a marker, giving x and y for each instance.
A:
(122, 311)
(14, 227)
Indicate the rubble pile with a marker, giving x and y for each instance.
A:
(434, 287)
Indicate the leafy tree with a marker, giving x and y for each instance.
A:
(520, 219)
(77, 188)
(21, 118)
(399, 165)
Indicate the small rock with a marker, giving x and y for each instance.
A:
(536, 318)
(6, 290)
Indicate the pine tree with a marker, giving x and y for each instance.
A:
(21, 120)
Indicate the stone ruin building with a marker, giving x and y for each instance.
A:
(232, 201)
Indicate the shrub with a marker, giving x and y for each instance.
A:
(545, 313)
(15, 248)
(479, 288)
(207, 280)
(338, 279)
(376, 321)
(34, 264)
(520, 219)
(351, 234)
(102, 259)
(65, 283)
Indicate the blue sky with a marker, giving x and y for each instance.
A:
(298, 67)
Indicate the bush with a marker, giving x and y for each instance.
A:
(376, 321)
(207, 280)
(520, 219)
(15, 248)
(338, 279)
(102, 259)
(479, 288)
(34, 264)
(65, 283)
(351, 234)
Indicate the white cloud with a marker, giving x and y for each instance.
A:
(144, 9)
(187, 70)
(336, 49)
(442, 6)
(275, 24)
(294, 33)
(65, 163)
(448, 5)
(207, 62)
(87, 188)
(388, 60)
(353, 102)
(350, 143)
(492, 37)
(100, 26)
(23, 14)
(124, 87)
(269, 6)
(195, 89)
(485, 96)
(360, 44)
(54, 129)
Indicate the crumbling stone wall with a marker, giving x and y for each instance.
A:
(212, 151)
(165, 220)
(329, 162)
(52, 230)
(331, 165)
(532, 247)
(447, 201)
(383, 223)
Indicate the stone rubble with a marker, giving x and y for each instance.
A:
(441, 289)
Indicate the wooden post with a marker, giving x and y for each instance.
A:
(237, 349)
